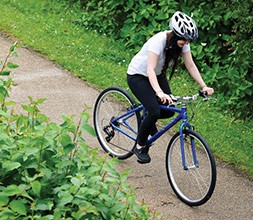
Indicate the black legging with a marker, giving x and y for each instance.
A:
(142, 89)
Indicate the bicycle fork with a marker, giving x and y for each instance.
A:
(186, 164)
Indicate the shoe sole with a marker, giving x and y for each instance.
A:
(140, 160)
(143, 162)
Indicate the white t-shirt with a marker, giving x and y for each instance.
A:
(155, 44)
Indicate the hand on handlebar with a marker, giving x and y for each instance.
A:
(208, 90)
(164, 98)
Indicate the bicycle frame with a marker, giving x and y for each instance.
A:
(182, 115)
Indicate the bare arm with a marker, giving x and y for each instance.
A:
(193, 70)
(152, 62)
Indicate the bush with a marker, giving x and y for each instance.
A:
(47, 171)
(223, 52)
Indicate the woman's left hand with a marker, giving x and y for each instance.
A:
(209, 90)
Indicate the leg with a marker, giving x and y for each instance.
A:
(142, 89)
(144, 92)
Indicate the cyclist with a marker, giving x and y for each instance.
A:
(146, 74)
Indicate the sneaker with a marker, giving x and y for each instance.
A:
(142, 155)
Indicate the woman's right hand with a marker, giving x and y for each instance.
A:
(164, 98)
(209, 90)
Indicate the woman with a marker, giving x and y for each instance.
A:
(146, 74)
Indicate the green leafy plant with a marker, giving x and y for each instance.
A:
(5, 70)
(223, 52)
(47, 171)
(102, 62)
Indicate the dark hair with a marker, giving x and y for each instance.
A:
(172, 52)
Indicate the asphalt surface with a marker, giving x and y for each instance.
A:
(40, 78)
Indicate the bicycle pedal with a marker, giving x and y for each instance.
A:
(142, 162)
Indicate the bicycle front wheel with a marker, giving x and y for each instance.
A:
(193, 183)
(113, 133)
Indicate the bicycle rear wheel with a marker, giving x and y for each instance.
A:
(194, 185)
(112, 103)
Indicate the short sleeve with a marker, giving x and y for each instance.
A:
(186, 48)
(156, 44)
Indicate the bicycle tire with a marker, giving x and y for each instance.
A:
(193, 186)
(111, 103)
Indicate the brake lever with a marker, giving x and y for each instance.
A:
(203, 93)
(174, 99)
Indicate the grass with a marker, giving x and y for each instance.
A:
(48, 28)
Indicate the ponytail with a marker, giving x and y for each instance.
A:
(172, 52)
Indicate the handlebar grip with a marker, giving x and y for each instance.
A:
(203, 93)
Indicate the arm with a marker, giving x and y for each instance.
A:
(193, 70)
(152, 62)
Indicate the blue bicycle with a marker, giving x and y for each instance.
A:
(190, 165)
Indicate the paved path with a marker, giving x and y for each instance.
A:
(38, 77)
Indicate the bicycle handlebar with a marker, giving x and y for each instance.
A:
(185, 99)
(203, 93)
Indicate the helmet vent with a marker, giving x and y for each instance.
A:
(181, 16)
(184, 26)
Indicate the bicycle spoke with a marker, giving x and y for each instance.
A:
(194, 185)
(114, 135)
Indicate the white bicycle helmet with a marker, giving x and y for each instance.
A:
(184, 26)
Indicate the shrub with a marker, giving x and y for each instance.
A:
(223, 52)
(47, 171)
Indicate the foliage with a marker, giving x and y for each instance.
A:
(101, 61)
(5, 85)
(224, 50)
(47, 171)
